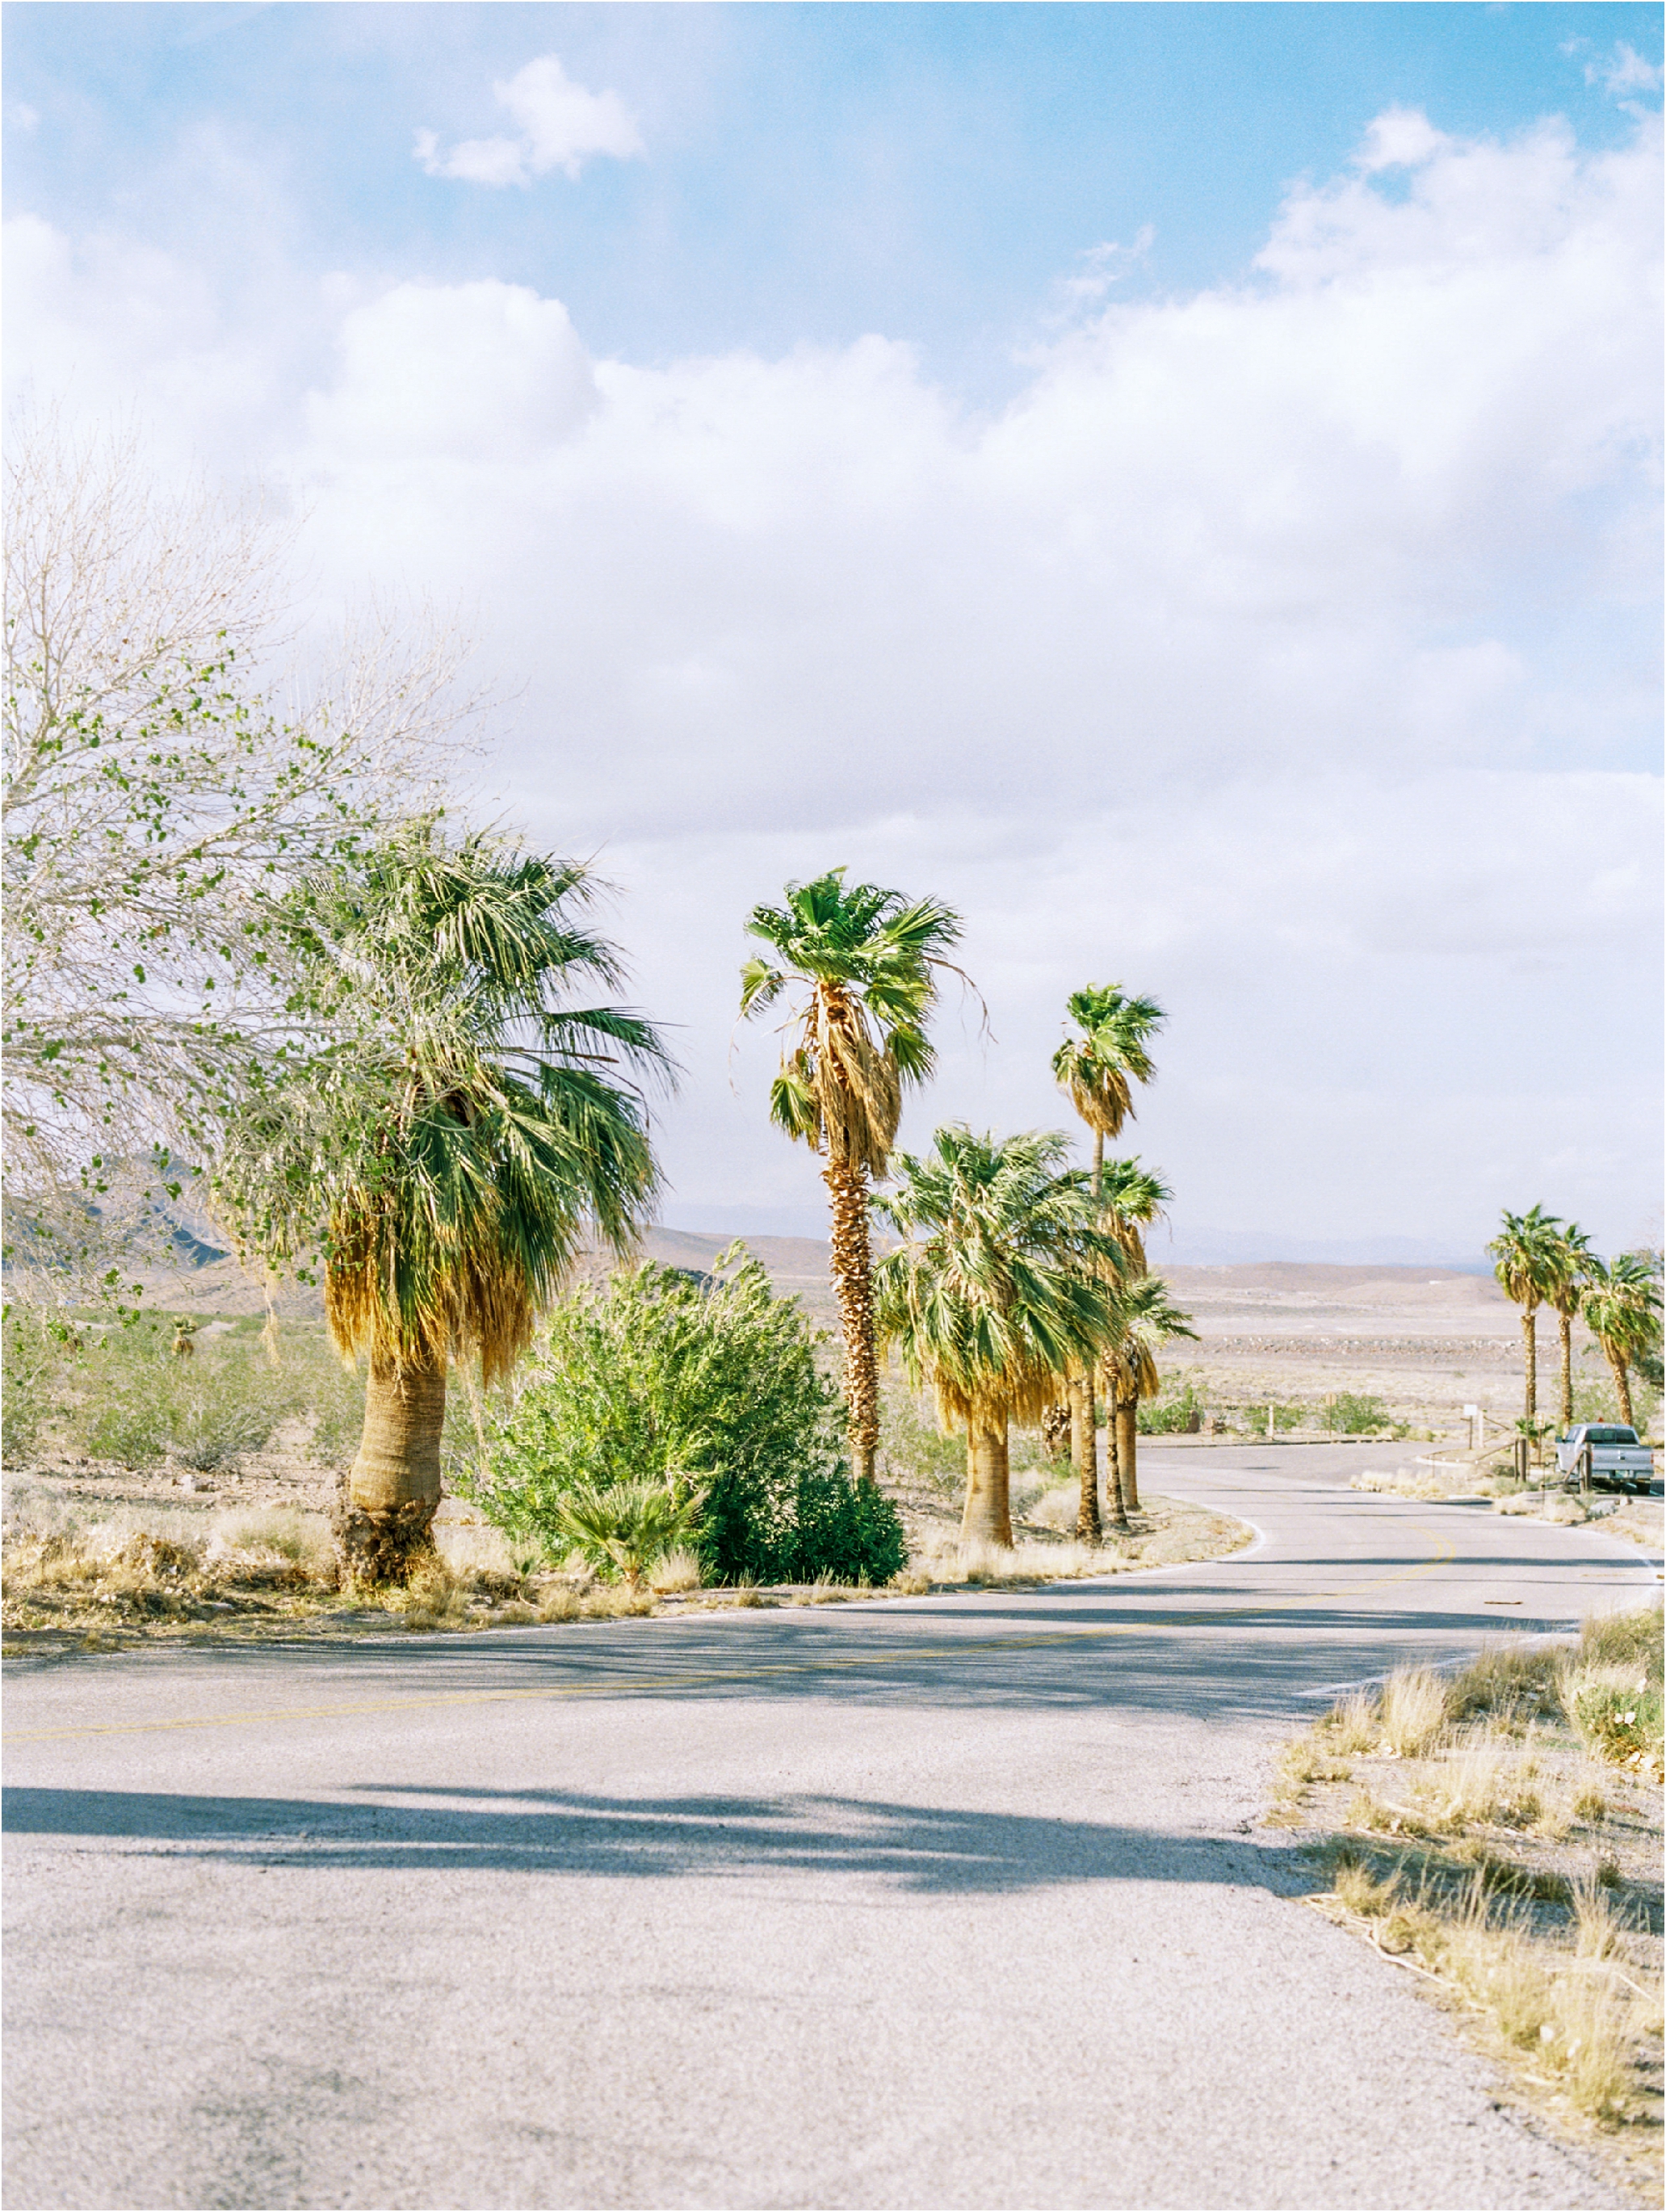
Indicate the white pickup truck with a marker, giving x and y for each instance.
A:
(1617, 1458)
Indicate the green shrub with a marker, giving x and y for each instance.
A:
(1352, 1415)
(1620, 1725)
(843, 1530)
(655, 1380)
(1176, 1413)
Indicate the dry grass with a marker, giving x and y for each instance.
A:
(1555, 1505)
(1502, 1842)
(1412, 1713)
(676, 1572)
(1568, 2012)
(1425, 1486)
(1167, 1531)
(160, 1571)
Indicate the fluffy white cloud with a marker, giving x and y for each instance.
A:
(1346, 510)
(1623, 70)
(487, 373)
(1288, 648)
(561, 126)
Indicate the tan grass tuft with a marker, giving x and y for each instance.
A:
(676, 1571)
(1413, 1711)
(1355, 1724)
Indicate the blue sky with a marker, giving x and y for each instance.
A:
(813, 171)
(1180, 482)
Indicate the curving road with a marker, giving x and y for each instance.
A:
(951, 1902)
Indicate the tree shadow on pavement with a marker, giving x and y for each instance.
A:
(921, 1849)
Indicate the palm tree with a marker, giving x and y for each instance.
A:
(1148, 1318)
(866, 962)
(1572, 1252)
(449, 1147)
(1007, 1280)
(1621, 1309)
(1525, 1255)
(1132, 1198)
(1098, 1068)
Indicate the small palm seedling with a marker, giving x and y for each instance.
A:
(628, 1528)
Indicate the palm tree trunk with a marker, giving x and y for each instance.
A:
(1622, 1384)
(385, 1503)
(988, 1517)
(852, 1285)
(1084, 1456)
(1116, 1498)
(1128, 1473)
(1530, 1359)
(1565, 1322)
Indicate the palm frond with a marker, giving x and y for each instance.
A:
(863, 960)
(462, 1129)
(1005, 1280)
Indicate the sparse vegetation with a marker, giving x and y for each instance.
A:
(1180, 1410)
(97, 1390)
(655, 1381)
(1499, 1831)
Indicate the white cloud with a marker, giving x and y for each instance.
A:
(1102, 266)
(1623, 70)
(561, 126)
(1287, 648)
(485, 373)
(1399, 138)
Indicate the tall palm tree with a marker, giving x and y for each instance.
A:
(1524, 1254)
(1131, 1198)
(446, 1151)
(1571, 1253)
(1006, 1281)
(1147, 1319)
(866, 962)
(1622, 1310)
(1098, 1067)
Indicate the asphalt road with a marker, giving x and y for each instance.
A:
(952, 1902)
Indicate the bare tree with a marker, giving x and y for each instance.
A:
(171, 767)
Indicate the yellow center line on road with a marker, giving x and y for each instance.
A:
(629, 1685)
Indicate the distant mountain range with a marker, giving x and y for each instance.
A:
(1185, 1247)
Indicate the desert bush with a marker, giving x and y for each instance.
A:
(1508, 1682)
(913, 1447)
(1354, 1724)
(1353, 1414)
(1178, 1412)
(676, 1569)
(1413, 1710)
(655, 1380)
(120, 1393)
(1621, 1724)
(1631, 1640)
